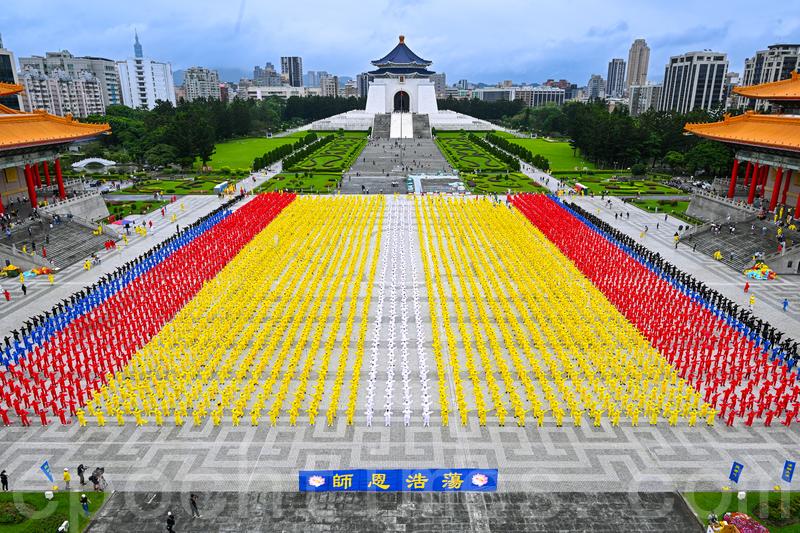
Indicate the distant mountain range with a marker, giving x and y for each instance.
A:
(230, 74)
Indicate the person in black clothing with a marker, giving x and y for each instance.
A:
(81, 470)
(170, 522)
(4, 480)
(193, 504)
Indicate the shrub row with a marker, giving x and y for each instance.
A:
(510, 161)
(280, 152)
(537, 160)
(299, 155)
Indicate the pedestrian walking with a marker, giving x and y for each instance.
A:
(67, 478)
(746, 286)
(24, 289)
(85, 504)
(665, 217)
(4, 480)
(193, 504)
(81, 470)
(752, 301)
(785, 304)
(170, 522)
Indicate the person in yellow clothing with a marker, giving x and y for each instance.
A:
(67, 478)
(752, 301)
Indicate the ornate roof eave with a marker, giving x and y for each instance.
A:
(26, 130)
(781, 90)
(379, 75)
(392, 64)
(773, 132)
(7, 89)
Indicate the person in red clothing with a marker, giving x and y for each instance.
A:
(746, 286)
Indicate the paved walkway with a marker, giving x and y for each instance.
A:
(399, 512)
(42, 296)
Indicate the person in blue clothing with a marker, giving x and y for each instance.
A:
(785, 304)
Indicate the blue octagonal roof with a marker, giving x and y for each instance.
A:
(401, 55)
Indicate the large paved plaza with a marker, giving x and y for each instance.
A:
(409, 329)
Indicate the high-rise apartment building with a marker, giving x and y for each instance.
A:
(312, 77)
(266, 76)
(695, 80)
(463, 84)
(596, 88)
(144, 81)
(439, 84)
(8, 74)
(638, 63)
(773, 64)
(362, 81)
(104, 70)
(615, 82)
(292, 70)
(329, 85)
(60, 93)
(643, 98)
(199, 82)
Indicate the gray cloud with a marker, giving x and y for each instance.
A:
(475, 39)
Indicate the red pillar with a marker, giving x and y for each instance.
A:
(752, 192)
(786, 186)
(36, 178)
(734, 173)
(747, 173)
(46, 166)
(31, 187)
(61, 192)
(797, 208)
(776, 189)
(2, 208)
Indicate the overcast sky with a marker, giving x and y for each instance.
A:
(481, 40)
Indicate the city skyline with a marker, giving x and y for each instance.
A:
(478, 43)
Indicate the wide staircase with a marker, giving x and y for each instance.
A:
(402, 126)
(382, 126)
(422, 126)
(739, 247)
(67, 243)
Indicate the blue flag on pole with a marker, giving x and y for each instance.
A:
(46, 469)
(788, 471)
(736, 471)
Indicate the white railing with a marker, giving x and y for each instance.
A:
(68, 201)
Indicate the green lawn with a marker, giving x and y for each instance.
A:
(559, 153)
(240, 153)
(197, 185)
(500, 183)
(30, 512)
(465, 155)
(336, 156)
(307, 182)
(608, 182)
(121, 209)
(763, 506)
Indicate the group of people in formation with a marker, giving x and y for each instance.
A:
(65, 357)
(539, 311)
(743, 367)
(527, 335)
